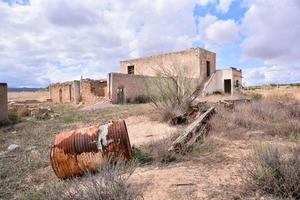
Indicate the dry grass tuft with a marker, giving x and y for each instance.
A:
(274, 171)
(275, 115)
(110, 183)
(156, 152)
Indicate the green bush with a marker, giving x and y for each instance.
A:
(141, 157)
(13, 118)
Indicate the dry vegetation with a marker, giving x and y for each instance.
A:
(28, 168)
(110, 183)
(252, 152)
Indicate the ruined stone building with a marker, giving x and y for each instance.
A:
(199, 63)
(3, 103)
(123, 87)
(87, 91)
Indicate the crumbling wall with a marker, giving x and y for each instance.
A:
(92, 90)
(3, 103)
(62, 92)
(193, 59)
(132, 86)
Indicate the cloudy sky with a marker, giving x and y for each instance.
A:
(44, 41)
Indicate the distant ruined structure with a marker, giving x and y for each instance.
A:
(87, 91)
(3, 103)
(123, 87)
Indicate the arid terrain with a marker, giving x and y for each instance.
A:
(24, 96)
(214, 169)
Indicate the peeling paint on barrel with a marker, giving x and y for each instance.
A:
(84, 150)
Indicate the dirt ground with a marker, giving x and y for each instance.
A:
(215, 173)
(41, 96)
(142, 129)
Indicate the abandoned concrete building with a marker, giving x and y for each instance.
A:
(200, 64)
(3, 103)
(87, 91)
(129, 83)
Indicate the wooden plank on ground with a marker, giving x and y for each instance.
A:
(193, 132)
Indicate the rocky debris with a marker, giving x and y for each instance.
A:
(30, 148)
(13, 147)
(24, 110)
(41, 113)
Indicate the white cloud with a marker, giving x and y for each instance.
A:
(222, 31)
(271, 29)
(272, 74)
(224, 5)
(50, 41)
(205, 2)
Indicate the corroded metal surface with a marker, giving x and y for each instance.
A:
(84, 150)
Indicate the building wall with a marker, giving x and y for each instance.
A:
(67, 92)
(216, 82)
(132, 85)
(3, 103)
(194, 60)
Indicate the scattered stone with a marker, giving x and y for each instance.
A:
(41, 113)
(30, 148)
(2, 153)
(13, 147)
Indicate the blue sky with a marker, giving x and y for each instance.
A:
(57, 40)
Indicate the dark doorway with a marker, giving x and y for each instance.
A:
(227, 86)
(120, 96)
(207, 68)
(70, 92)
(60, 95)
(130, 69)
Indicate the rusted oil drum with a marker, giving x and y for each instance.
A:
(84, 150)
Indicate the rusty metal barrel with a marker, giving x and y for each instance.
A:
(84, 150)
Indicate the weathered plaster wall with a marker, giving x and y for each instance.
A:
(216, 82)
(3, 103)
(132, 85)
(62, 92)
(193, 59)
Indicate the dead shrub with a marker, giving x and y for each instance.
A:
(274, 171)
(170, 91)
(275, 115)
(156, 152)
(110, 183)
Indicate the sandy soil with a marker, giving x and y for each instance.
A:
(213, 176)
(142, 129)
(25, 96)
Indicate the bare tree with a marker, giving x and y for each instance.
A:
(171, 89)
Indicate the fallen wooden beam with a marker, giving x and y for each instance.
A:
(193, 132)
